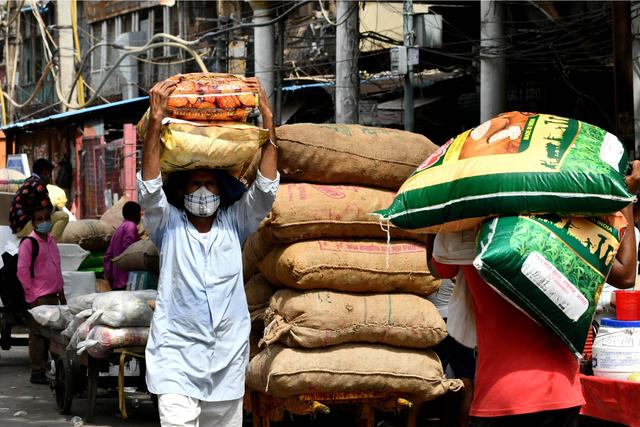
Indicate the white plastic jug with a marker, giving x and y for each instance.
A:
(616, 349)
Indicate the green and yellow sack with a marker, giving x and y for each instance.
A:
(551, 267)
(516, 163)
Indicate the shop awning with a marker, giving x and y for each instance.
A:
(128, 110)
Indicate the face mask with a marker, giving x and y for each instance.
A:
(43, 227)
(202, 202)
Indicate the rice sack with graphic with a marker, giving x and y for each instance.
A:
(516, 163)
(551, 267)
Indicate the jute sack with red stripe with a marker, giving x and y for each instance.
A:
(351, 266)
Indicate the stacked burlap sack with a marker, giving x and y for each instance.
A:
(94, 235)
(104, 321)
(335, 307)
(543, 193)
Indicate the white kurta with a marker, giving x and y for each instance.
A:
(199, 338)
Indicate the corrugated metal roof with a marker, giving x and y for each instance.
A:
(70, 114)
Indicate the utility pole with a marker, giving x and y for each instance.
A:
(222, 43)
(623, 72)
(493, 66)
(279, 64)
(264, 47)
(66, 48)
(407, 100)
(347, 76)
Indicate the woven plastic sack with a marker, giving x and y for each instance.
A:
(213, 96)
(304, 211)
(323, 318)
(140, 256)
(349, 154)
(351, 266)
(551, 267)
(52, 316)
(10, 180)
(349, 368)
(516, 163)
(102, 339)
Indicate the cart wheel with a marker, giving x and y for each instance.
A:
(64, 385)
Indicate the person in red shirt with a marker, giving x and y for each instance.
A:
(525, 375)
(124, 236)
(42, 282)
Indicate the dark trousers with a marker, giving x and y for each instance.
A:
(38, 345)
(558, 418)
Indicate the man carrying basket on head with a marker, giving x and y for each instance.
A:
(198, 347)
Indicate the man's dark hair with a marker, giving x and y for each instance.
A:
(131, 211)
(42, 165)
(231, 190)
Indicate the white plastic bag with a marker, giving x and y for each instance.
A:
(52, 316)
(81, 302)
(121, 308)
(79, 335)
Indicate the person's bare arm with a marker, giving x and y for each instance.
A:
(624, 270)
(431, 238)
(158, 97)
(269, 160)
(633, 179)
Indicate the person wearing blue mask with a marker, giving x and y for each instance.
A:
(40, 274)
(198, 347)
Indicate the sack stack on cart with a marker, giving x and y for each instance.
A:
(543, 193)
(348, 312)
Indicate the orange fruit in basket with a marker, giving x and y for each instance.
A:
(205, 104)
(228, 102)
(193, 99)
(177, 101)
(248, 100)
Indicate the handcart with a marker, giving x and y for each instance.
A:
(79, 374)
(266, 408)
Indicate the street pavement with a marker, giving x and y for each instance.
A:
(23, 404)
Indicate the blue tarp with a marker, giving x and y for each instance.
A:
(70, 114)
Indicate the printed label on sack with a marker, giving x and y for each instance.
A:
(611, 151)
(555, 286)
(368, 248)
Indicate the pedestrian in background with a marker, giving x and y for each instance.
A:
(32, 191)
(124, 236)
(41, 277)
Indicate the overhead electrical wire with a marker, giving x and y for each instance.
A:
(533, 53)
